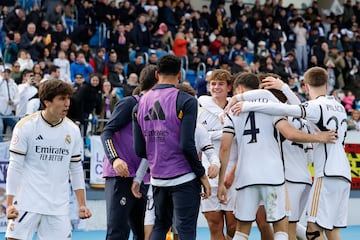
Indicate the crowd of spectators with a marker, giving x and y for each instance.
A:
(91, 42)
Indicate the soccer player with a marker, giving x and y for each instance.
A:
(164, 126)
(123, 210)
(254, 132)
(296, 157)
(210, 112)
(203, 146)
(45, 150)
(332, 174)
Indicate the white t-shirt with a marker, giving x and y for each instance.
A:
(48, 150)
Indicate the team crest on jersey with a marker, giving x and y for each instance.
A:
(14, 139)
(68, 139)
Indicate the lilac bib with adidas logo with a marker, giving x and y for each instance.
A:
(160, 126)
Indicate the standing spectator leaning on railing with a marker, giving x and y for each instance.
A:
(9, 99)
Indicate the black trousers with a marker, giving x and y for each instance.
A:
(123, 210)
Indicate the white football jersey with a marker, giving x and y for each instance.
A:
(209, 117)
(328, 114)
(295, 155)
(48, 150)
(259, 154)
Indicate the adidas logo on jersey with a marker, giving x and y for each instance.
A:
(155, 113)
(204, 122)
(39, 138)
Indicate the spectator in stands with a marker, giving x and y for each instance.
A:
(54, 73)
(86, 13)
(3, 14)
(262, 51)
(82, 34)
(137, 65)
(80, 66)
(63, 63)
(79, 81)
(238, 65)
(153, 58)
(119, 41)
(348, 101)
(11, 49)
(277, 35)
(236, 50)
(98, 63)
(27, 89)
(117, 76)
(127, 12)
(351, 69)
(333, 75)
(301, 44)
(294, 69)
(109, 99)
(194, 58)
(203, 37)
(167, 15)
(87, 100)
(267, 65)
(336, 57)
(141, 36)
(235, 9)
(71, 13)
(163, 37)
(46, 31)
(15, 72)
(216, 43)
(34, 16)
(55, 17)
(25, 60)
(14, 20)
(32, 42)
(34, 104)
(132, 83)
(9, 98)
(313, 61)
(354, 121)
(180, 45)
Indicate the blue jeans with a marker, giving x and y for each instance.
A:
(182, 200)
(6, 120)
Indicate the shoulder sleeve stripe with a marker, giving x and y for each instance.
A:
(111, 149)
(17, 152)
(75, 158)
(280, 119)
(303, 112)
(207, 147)
(229, 129)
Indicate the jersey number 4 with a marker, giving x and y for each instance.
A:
(253, 131)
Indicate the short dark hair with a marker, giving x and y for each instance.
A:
(169, 65)
(186, 88)
(248, 80)
(277, 93)
(53, 68)
(49, 89)
(147, 77)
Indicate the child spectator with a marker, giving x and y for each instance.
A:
(348, 102)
